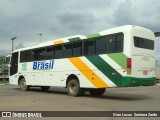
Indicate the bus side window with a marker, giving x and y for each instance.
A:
(34, 55)
(58, 51)
(101, 45)
(50, 52)
(119, 43)
(89, 47)
(77, 49)
(111, 46)
(42, 54)
(23, 55)
(28, 56)
(67, 51)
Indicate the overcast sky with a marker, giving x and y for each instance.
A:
(61, 18)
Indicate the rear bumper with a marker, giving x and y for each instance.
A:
(131, 81)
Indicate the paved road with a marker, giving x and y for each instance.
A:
(56, 99)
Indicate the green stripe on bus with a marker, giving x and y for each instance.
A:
(106, 69)
(120, 59)
(132, 81)
(93, 35)
(74, 39)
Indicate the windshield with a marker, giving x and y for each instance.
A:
(143, 43)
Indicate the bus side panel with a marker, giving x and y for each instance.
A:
(53, 77)
(13, 80)
(112, 71)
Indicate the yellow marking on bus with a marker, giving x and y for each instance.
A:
(88, 73)
(58, 42)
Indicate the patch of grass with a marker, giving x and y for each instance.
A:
(4, 82)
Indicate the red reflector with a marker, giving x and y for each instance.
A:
(145, 72)
(129, 63)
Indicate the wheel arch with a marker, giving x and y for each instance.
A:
(20, 78)
(70, 77)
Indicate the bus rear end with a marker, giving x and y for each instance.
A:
(142, 61)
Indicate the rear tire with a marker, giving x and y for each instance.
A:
(45, 88)
(23, 85)
(74, 89)
(97, 92)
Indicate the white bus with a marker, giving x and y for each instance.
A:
(117, 57)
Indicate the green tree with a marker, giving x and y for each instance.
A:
(2, 61)
(3, 66)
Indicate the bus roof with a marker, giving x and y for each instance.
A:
(105, 32)
(120, 28)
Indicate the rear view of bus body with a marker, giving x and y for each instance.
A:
(117, 57)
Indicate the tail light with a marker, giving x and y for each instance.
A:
(129, 63)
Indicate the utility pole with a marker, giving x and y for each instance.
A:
(40, 36)
(13, 43)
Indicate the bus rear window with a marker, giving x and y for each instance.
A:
(143, 43)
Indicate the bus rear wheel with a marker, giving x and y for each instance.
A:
(45, 88)
(97, 92)
(74, 89)
(23, 85)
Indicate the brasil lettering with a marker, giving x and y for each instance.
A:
(43, 65)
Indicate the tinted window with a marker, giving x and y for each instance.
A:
(111, 44)
(58, 51)
(119, 43)
(77, 49)
(101, 45)
(34, 55)
(143, 43)
(14, 64)
(50, 52)
(89, 47)
(67, 51)
(29, 56)
(23, 55)
(42, 54)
